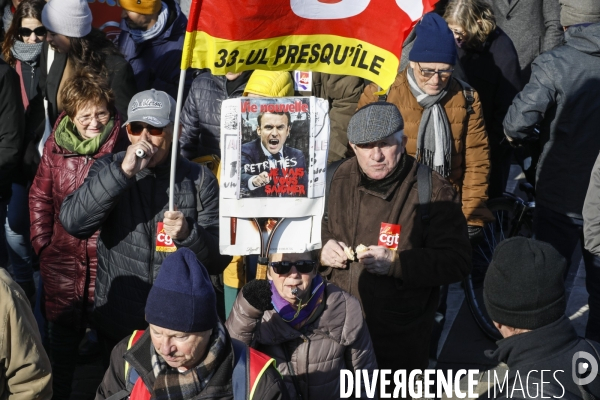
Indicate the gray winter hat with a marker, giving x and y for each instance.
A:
(374, 122)
(152, 107)
(573, 12)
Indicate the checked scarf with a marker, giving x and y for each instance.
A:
(171, 384)
(434, 139)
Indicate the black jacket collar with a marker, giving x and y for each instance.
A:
(537, 345)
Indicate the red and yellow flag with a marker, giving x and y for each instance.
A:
(348, 37)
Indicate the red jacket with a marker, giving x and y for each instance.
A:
(67, 264)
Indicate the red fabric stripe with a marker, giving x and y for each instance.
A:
(138, 335)
(194, 15)
(257, 363)
(383, 23)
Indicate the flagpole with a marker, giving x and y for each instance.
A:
(175, 143)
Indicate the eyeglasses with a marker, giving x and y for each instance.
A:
(428, 73)
(101, 117)
(40, 31)
(459, 33)
(284, 267)
(136, 128)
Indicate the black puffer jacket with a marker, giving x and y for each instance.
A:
(201, 114)
(127, 212)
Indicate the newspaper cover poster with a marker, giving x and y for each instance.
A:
(275, 147)
(273, 166)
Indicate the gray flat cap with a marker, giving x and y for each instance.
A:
(374, 122)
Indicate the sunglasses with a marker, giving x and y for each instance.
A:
(40, 31)
(136, 128)
(284, 267)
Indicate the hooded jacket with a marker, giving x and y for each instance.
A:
(67, 264)
(310, 358)
(127, 211)
(562, 97)
(156, 62)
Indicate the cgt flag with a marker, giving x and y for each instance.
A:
(347, 37)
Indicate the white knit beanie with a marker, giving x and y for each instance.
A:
(72, 18)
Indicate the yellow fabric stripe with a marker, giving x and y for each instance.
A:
(323, 53)
(128, 347)
(260, 374)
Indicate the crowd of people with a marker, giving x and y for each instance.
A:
(86, 133)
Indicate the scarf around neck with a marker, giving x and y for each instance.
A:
(383, 186)
(67, 137)
(297, 318)
(140, 36)
(434, 139)
(170, 384)
(26, 52)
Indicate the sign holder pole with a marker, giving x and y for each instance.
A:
(175, 143)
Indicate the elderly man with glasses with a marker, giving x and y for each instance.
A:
(126, 196)
(443, 118)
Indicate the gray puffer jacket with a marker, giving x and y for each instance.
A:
(201, 115)
(127, 212)
(310, 359)
(562, 96)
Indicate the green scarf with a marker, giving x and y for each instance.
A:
(67, 137)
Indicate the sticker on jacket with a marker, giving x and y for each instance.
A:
(303, 81)
(389, 235)
(164, 241)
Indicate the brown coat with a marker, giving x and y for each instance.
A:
(470, 161)
(337, 339)
(399, 308)
(25, 371)
(342, 92)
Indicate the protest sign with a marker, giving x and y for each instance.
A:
(273, 162)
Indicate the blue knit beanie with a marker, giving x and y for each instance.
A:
(434, 42)
(182, 298)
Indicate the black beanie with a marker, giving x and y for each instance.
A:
(524, 285)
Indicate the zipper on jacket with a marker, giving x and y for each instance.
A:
(307, 341)
(31, 82)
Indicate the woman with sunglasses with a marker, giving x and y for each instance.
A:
(88, 129)
(312, 328)
(489, 62)
(21, 49)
